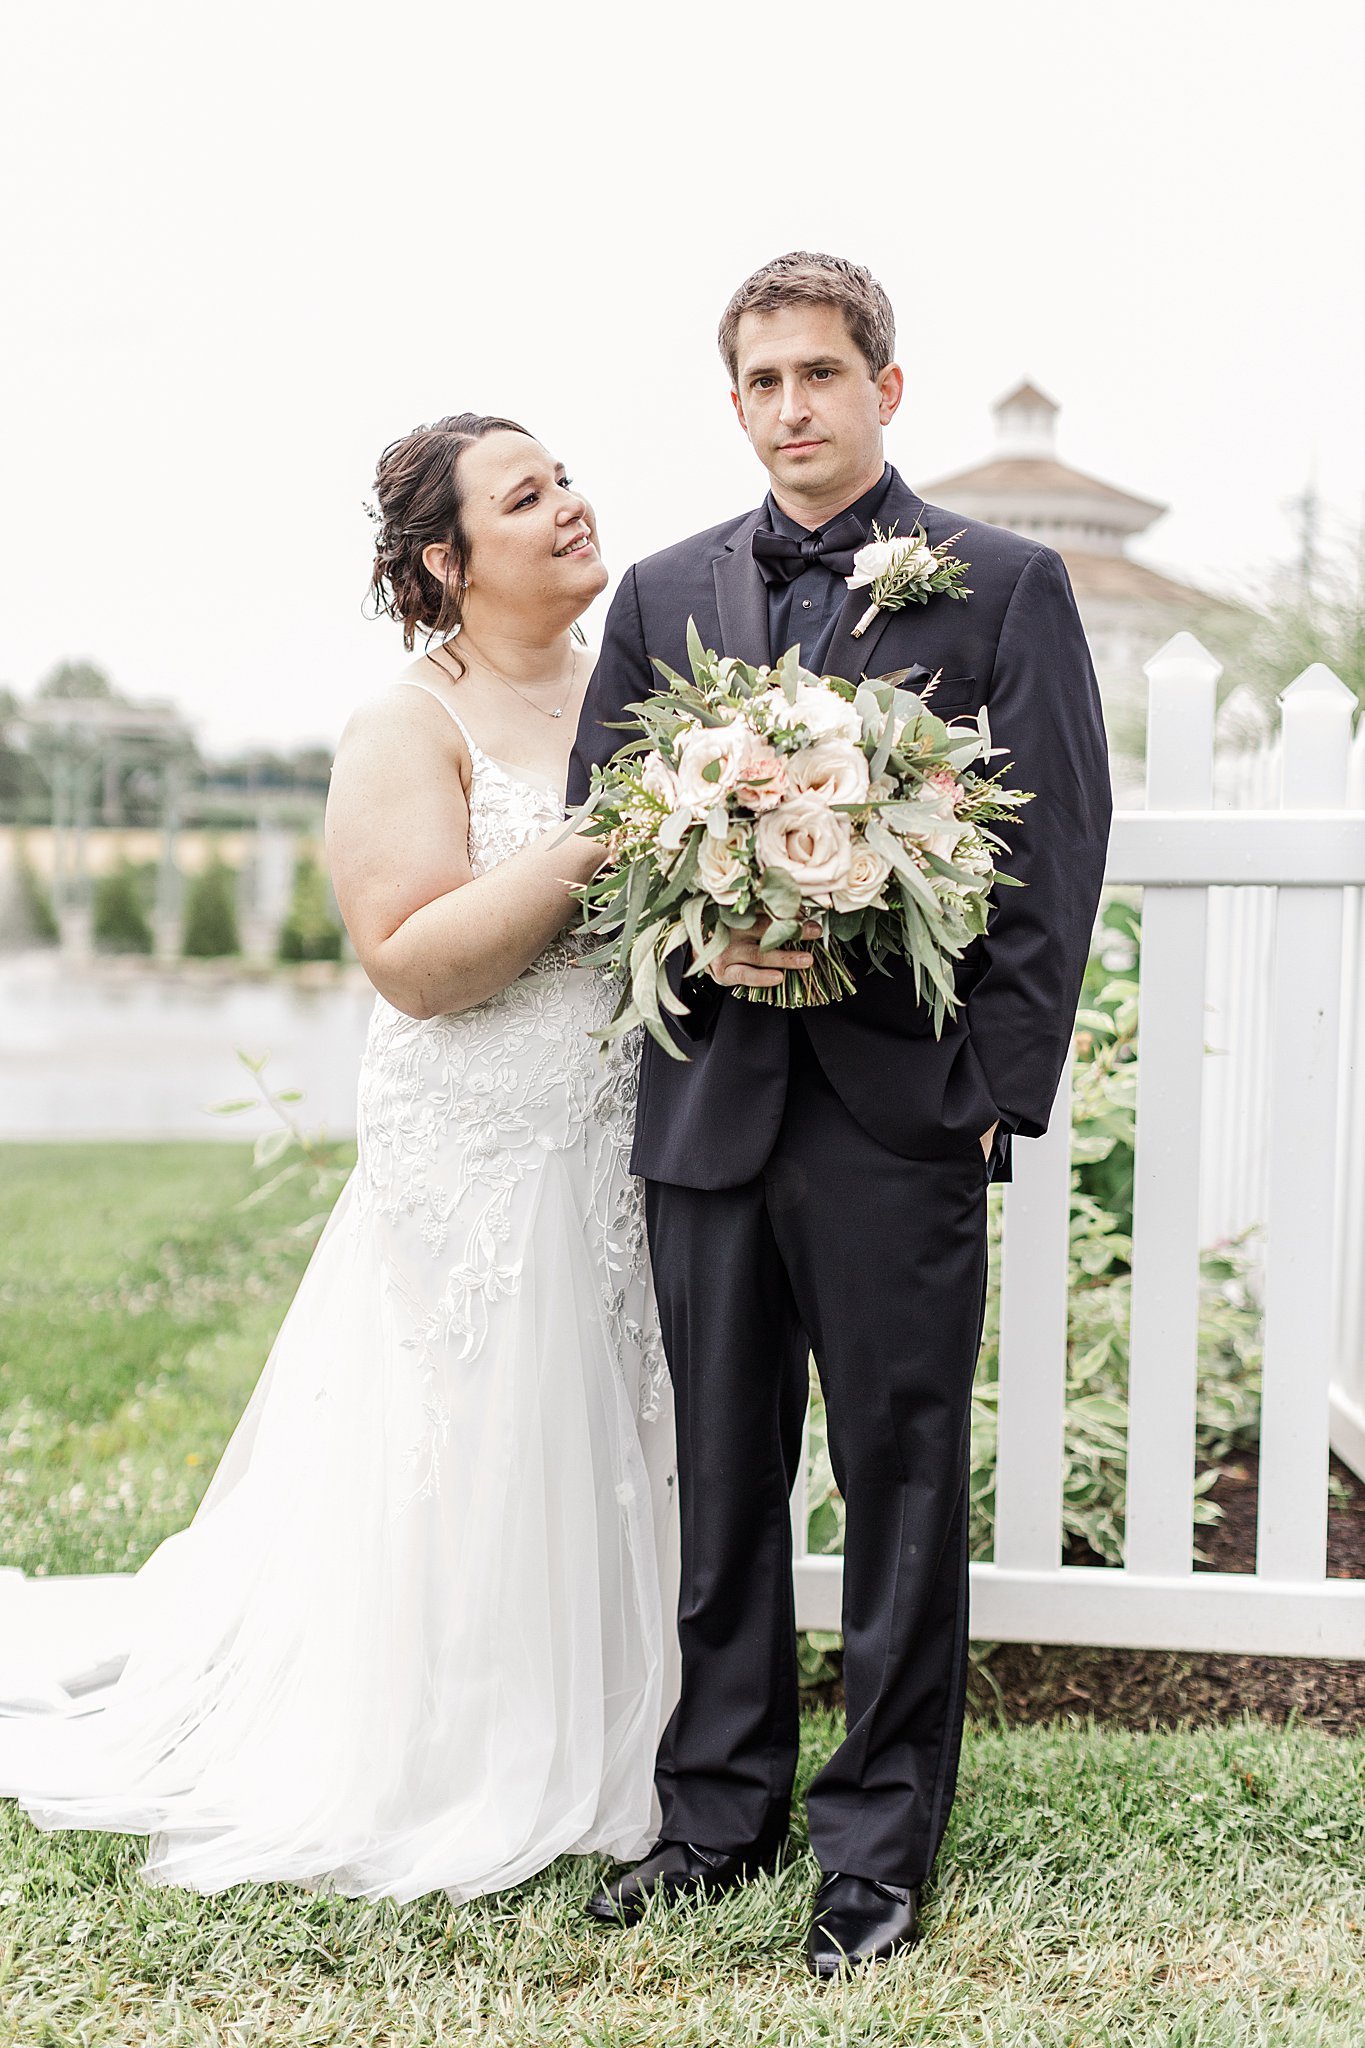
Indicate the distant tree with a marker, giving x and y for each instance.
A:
(310, 931)
(312, 768)
(119, 922)
(307, 768)
(77, 679)
(1296, 620)
(211, 913)
(16, 770)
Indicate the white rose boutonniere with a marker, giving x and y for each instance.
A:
(901, 569)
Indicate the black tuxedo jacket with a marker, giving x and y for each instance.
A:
(1016, 644)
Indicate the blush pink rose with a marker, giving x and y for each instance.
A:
(760, 775)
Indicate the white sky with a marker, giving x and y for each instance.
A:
(245, 247)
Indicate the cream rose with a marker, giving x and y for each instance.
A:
(867, 872)
(720, 868)
(833, 769)
(824, 713)
(698, 750)
(803, 838)
(658, 778)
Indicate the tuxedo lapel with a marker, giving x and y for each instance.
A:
(852, 658)
(742, 598)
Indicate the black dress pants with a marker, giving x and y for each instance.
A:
(878, 1265)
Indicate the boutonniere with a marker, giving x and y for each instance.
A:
(903, 569)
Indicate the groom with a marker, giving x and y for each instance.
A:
(816, 1180)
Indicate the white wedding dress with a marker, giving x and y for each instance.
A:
(414, 1638)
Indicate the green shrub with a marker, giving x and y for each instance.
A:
(1100, 1295)
(119, 922)
(211, 913)
(35, 900)
(310, 931)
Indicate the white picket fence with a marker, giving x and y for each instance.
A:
(1234, 1181)
(1256, 910)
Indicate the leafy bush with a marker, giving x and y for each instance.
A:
(119, 922)
(211, 913)
(310, 931)
(35, 901)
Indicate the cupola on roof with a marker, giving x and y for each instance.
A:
(1026, 487)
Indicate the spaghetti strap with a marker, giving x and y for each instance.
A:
(411, 683)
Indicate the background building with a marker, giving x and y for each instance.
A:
(1128, 609)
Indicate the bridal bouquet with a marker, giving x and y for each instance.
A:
(774, 797)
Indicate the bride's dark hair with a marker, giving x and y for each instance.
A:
(417, 496)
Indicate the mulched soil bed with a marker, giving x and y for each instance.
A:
(1032, 1682)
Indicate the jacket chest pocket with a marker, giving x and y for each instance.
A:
(953, 695)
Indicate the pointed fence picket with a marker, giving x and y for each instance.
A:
(1250, 1116)
(1347, 1409)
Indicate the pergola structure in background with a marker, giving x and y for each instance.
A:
(85, 748)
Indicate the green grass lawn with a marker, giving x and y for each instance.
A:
(137, 1304)
(1193, 1889)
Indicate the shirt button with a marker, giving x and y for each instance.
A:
(805, 604)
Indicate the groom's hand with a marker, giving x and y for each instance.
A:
(988, 1138)
(742, 965)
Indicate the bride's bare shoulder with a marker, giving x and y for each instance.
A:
(405, 709)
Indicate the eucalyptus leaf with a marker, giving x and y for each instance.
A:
(788, 673)
(693, 911)
(696, 653)
(683, 875)
(779, 893)
(884, 744)
(637, 889)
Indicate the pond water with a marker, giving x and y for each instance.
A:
(126, 1049)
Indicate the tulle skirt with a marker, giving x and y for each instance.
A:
(414, 1638)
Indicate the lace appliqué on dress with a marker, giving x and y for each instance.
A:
(457, 1115)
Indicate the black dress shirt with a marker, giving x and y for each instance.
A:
(807, 609)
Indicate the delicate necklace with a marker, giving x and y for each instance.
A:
(508, 684)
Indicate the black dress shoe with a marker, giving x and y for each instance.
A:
(858, 1920)
(680, 1870)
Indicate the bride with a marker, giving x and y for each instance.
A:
(412, 1639)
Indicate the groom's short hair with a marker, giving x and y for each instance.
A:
(804, 277)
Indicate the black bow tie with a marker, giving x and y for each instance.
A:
(780, 558)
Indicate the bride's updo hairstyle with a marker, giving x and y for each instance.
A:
(417, 495)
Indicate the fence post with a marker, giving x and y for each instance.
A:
(1300, 1301)
(1348, 1389)
(1164, 1332)
(1241, 935)
(1031, 1416)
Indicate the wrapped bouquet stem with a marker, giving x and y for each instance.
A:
(770, 799)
